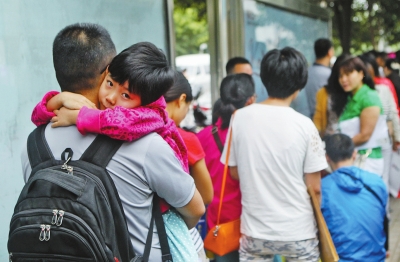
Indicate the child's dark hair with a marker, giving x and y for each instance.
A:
(146, 69)
(235, 91)
(339, 147)
(283, 72)
(180, 86)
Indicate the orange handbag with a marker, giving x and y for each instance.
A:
(223, 238)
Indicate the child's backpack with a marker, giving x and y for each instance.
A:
(71, 211)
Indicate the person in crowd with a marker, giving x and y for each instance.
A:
(236, 91)
(326, 109)
(276, 154)
(380, 79)
(380, 58)
(391, 114)
(364, 107)
(353, 204)
(237, 65)
(154, 135)
(392, 75)
(178, 99)
(319, 72)
(318, 75)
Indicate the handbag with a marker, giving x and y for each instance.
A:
(223, 238)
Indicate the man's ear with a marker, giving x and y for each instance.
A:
(331, 52)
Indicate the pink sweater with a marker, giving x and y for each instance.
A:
(123, 124)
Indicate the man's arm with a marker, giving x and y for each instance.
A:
(192, 212)
(234, 172)
(166, 177)
(313, 181)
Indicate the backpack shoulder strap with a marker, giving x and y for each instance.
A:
(101, 150)
(38, 149)
(99, 153)
(157, 218)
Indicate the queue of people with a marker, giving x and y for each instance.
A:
(276, 153)
(356, 114)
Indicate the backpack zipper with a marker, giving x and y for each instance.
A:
(88, 229)
(68, 231)
(96, 180)
(77, 219)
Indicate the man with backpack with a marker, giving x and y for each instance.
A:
(138, 170)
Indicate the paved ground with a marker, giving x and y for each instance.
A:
(394, 230)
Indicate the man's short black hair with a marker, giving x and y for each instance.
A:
(322, 47)
(235, 61)
(339, 147)
(146, 69)
(81, 52)
(283, 72)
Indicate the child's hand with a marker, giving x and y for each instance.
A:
(64, 117)
(69, 100)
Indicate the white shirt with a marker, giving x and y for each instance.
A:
(273, 147)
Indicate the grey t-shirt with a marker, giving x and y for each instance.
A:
(317, 77)
(138, 169)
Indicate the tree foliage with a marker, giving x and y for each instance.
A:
(361, 25)
(190, 18)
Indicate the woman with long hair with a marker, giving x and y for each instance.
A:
(236, 91)
(178, 99)
(364, 107)
(330, 100)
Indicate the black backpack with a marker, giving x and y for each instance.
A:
(71, 211)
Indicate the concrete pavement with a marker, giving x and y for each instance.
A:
(394, 230)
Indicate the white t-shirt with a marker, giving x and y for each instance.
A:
(138, 169)
(273, 147)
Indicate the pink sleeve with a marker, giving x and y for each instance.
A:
(119, 123)
(88, 120)
(40, 115)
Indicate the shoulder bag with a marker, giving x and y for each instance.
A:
(224, 237)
